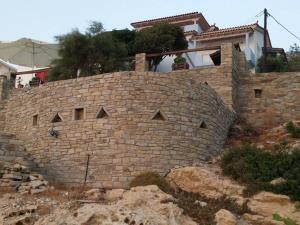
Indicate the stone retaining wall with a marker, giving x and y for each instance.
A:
(148, 122)
(276, 101)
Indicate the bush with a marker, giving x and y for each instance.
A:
(179, 59)
(273, 64)
(287, 221)
(256, 168)
(293, 130)
(151, 178)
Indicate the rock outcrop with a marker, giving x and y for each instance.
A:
(224, 217)
(18, 176)
(137, 206)
(267, 204)
(210, 183)
(205, 181)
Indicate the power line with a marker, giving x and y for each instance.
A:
(259, 14)
(284, 27)
(255, 17)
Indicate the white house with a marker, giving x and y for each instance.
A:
(200, 34)
(11, 71)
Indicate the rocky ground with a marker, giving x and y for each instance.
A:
(212, 196)
(17, 176)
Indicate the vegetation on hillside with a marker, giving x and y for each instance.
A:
(286, 221)
(97, 51)
(257, 168)
(191, 203)
(280, 63)
(293, 129)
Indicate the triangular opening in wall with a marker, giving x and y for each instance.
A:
(101, 114)
(158, 116)
(56, 119)
(203, 125)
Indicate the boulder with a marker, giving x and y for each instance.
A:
(267, 204)
(204, 181)
(278, 181)
(224, 217)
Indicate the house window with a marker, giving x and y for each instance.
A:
(79, 114)
(35, 120)
(257, 93)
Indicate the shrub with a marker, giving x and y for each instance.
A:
(256, 168)
(273, 64)
(189, 202)
(179, 59)
(151, 178)
(293, 130)
(287, 221)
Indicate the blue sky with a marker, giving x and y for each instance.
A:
(44, 19)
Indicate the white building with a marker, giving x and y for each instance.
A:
(199, 34)
(11, 70)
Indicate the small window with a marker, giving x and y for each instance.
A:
(158, 116)
(35, 120)
(79, 114)
(102, 114)
(257, 93)
(203, 125)
(56, 119)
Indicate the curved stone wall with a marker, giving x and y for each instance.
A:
(131, 122)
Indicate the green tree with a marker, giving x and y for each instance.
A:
(160, 38)
(294, 58)
(92, 53)
(127, 37)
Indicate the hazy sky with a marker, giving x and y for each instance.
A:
(44, 19)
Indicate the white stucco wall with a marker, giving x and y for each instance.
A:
(253, 50)
(192, 27)
(25, 78)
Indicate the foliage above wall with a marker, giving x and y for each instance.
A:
(94, 52)
(97, 51)
(158, 39)
(280, 63)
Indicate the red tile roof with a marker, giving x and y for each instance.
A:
(194, 15)
(229, 32)
(226, 31)
(191, 32)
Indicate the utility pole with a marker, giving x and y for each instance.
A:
(265, 36)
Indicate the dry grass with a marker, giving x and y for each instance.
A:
(206, 215)
(62, 193)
